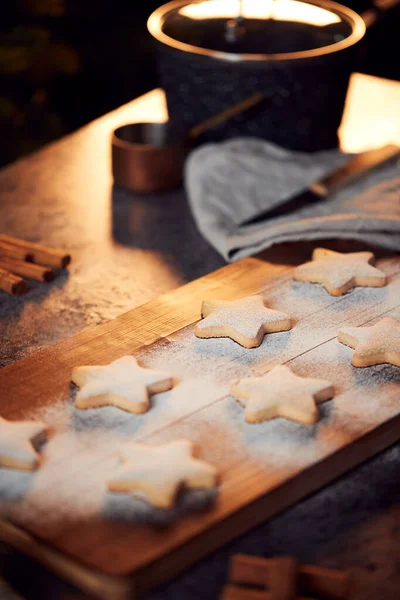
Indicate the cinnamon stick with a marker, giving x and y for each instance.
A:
(12, 283)
(330, 584)
(25, 269)
(52, 257)
(11, 251)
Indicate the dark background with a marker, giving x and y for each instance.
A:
(66, 62)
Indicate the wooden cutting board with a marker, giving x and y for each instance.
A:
(63, 516)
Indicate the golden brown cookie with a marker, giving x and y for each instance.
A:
(18, 443)
(374, 345)
(339, 273)
(245, 321)
(159, 471)
(122, 383)
(281, 393)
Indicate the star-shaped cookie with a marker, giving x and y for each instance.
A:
(18, 443)
(122, 383)
(374, 345)
(339, 272)
(281, 393)
(245, 321)
(159, 471)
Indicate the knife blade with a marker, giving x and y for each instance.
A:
(324, 187)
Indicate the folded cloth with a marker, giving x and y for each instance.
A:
(231, 181)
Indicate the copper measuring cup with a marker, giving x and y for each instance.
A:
(149, 157)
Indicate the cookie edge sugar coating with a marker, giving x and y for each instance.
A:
(370, 359)
(244, 398)
(34, 442)
(116, 400)
(164, 499)
(379, 280)
(350, 341)
(227, 331)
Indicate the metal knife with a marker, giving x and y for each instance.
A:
(322, 188)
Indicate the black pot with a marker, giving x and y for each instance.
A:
(208, 63)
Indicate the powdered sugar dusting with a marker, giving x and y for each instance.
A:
(380, 339)
(247, 316)
(82, 453)
(339, 269)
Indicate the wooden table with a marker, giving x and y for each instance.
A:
(127, 250)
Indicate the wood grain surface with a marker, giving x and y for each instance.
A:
(264, 468)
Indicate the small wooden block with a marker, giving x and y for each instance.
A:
(330, 584)
(249, 570)
(282, 578)
(235, 592)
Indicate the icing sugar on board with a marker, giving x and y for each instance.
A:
(63, 515)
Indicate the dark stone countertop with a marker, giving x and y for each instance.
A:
(126, 250)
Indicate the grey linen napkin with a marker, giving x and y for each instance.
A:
(231, 181)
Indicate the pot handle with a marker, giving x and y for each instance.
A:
(226, 114)
(378, 9)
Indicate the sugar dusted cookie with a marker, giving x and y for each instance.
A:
(339, 273)
(18, 443)
(281, 393)
(159, 471)
(245, 321)
(122, 383)
(374, 345)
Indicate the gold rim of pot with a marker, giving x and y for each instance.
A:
(157, 18)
